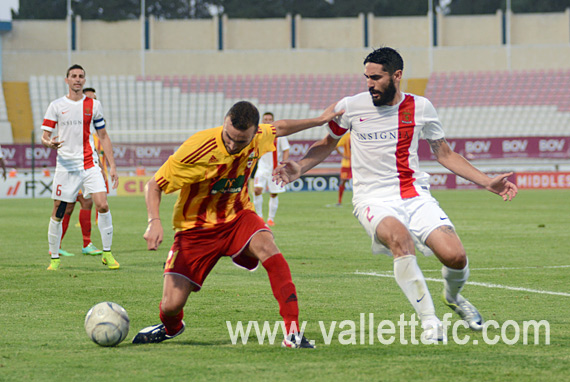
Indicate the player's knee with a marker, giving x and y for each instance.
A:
(103, 208)
(87, 204)
(398, 241)
(257, 191)
(69, 208)
(456, 259)
(460, 260)
(262, 246)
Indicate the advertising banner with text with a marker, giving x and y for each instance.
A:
(154, 155)
(24, 186)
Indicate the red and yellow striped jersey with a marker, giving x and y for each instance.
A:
(344, 142)
(212, 183)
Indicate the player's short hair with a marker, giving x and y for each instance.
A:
(389, 58)
(74, 66)
(269, 113)
(243, 115)
(89, 90)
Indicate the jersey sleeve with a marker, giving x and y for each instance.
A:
(50, 118)
(432, 128)
(175, 174)
(339, 125)
(266, 138)
(98, 118)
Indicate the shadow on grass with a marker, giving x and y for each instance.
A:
(184, 343)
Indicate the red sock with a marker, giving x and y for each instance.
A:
(340, 192)
(85, 222)
(283, 289)
(172, 324)
(64, 224)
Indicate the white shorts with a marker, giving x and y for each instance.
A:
(66, 184)
(420, 215)
(264, 180)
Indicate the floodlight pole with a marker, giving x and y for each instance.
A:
(143, 37)
(430, 32)
(69, 33)
(508, 27)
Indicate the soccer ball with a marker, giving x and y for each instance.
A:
(107, 324)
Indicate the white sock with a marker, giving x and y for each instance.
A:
(54, 237)
(412, 282)
(273, 204)
(454, 280)
(105, 223)
(258, 204)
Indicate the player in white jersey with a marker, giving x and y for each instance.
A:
(262, 181)
(391, 195)
(76, 118)
(86, 206)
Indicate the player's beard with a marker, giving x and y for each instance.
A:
(387, 95)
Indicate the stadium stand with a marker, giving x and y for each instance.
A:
(501, 103)
(170, 108)
(5, 126)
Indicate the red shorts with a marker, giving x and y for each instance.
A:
(345, 173)
(195, 252)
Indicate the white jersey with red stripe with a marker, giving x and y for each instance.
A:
(269, 161)
(76, 121)
(384, 141)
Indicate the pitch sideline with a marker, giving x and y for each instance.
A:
(487, 285)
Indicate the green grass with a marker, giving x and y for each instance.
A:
(41, 316)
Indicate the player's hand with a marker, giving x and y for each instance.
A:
(500, 185)
(286, 172)
(153, 235)
(114, 177)
(329, 114)
(54, 144)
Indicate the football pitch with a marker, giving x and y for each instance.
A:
(520, 272)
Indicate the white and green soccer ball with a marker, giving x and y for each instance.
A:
(107, 324)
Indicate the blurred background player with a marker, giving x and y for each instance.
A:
(77, 117)
(2, 164)
(85, 203)
(345, 169)
(263, 175)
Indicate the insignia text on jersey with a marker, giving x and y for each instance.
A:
(72, 122)
(383, 135)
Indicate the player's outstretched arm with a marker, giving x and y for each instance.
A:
(460, 166)
(108, 150)
(289, 171)
(154, 232)
(291, 126)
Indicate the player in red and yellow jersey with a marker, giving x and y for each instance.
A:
(214, 217)
(345, 168)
